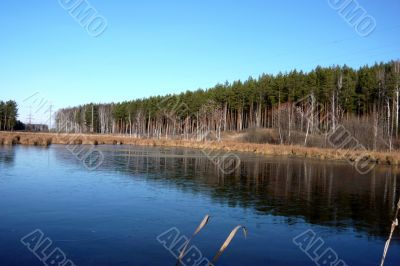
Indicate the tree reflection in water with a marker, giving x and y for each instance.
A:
(325, 193)
(7, 156)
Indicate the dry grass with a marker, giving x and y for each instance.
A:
(228, 241)
(45, 139)
(203, 223)
(394, 225)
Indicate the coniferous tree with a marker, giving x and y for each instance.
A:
(366, 101)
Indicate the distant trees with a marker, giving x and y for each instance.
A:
(366, 99)
(8, 115)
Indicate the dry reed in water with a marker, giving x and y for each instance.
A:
(203, 223)
(394, 225)
(228, 241)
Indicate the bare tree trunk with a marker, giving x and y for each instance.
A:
(388, 125)
(279, 118)
(92, 125)
(312, 112)
(308, 130)
(130, 125)
(259, 114)
(397, 112)
(225, 115)
(292, 122)
(375, 117)
(148, 127)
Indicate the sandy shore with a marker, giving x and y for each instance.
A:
(46, 139)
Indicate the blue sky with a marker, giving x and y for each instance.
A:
(153, 47)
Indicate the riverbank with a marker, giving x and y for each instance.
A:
(46, 139)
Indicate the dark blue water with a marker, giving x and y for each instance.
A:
(113, 215)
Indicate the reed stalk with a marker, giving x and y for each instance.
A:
(203, 223)
(228, 241)
(394, 225)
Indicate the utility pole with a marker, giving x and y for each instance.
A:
(92, 118)
(30, 116)
(397, 73)
(51, 106)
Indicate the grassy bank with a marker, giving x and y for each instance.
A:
(46, 139)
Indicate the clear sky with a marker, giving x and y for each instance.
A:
(153, 47)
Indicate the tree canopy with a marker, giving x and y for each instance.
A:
(8, 115)
(239, 105)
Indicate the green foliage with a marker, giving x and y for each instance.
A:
(348, 90)
(8, 115)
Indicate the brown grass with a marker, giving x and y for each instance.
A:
(46, 139)
(203, 223)
(228, 241)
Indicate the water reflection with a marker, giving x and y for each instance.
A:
(325, 193)
(7, 156)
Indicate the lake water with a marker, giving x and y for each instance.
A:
(114, 214)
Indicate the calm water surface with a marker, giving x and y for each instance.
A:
(113, 215)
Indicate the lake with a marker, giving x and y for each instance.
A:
(125, 212)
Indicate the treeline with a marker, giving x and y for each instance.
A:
(301, 107)
(8, 115)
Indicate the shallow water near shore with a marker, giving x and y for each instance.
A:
(113, 215)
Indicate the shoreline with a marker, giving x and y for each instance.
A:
(46, 139)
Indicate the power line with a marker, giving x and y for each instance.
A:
(30, 116)
(364, 52)
(51, 106)
(335, 42)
